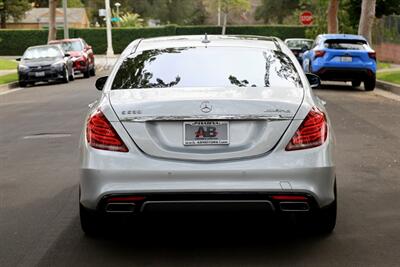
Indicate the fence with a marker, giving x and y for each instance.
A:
(386, 39)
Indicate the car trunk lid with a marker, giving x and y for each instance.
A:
(255, 119)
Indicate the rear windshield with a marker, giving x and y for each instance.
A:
(346, 44)
(69, 46)
(206, 67)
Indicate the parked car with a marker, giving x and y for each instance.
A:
(220, 123)
(44, 63)
(82, 55)
(342, 57)
(299, 46)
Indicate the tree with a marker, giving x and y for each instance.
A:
(382, 8)
(228, 6)
(131, 20)
(273, 11)
(52, 20)
(13, 8)
(367, 18)
(333, 24)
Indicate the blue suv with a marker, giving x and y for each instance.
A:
(342, 57)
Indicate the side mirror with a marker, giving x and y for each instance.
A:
(314, 80)
(67, 54)
(100, 82)
(304, 49)
(18, 59)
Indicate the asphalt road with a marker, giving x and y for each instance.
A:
(39, 223)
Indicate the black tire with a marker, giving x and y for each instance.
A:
(93, 71)
(321, 222)
(324, 221)
(22, 84)
(369, 84)
(355, 83)
(86, 74)
(66, 75)
(72, 76)
(91, 222)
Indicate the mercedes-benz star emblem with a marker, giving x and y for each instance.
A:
(205, 107)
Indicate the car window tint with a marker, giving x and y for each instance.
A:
(299, 44)
(346, 44)
(206, 67)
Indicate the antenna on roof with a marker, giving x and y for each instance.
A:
(205, 40)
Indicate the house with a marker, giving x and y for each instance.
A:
(38, 18)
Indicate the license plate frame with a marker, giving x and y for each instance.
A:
(346, 59)
(40, 74)
(194, 136)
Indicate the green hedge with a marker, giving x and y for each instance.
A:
(14, 42)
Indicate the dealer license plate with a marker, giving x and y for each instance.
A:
(205, 133)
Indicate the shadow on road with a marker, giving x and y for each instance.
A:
(176, 241)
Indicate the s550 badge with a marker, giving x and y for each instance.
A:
(131, 112)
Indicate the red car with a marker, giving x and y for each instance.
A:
(81, 53)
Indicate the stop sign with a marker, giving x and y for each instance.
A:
(306, 18)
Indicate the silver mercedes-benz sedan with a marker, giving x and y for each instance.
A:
(208, 123)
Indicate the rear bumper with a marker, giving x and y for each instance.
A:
(344, 74)
(211, 202)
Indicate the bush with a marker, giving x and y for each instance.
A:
(14, 42)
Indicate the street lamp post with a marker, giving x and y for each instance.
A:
(117, 5)
(110, 51)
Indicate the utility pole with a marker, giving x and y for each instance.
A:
(110, 51)
(219, 12)
(65, 9)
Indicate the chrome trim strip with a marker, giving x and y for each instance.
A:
(207, 117)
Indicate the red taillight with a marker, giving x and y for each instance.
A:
(372, 55)
(319, 53)
(311, 133)
(288, 197)
(101, 135)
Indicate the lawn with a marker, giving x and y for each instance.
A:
(389, 76)
(6, 64)
(8, 78)
(383, 65)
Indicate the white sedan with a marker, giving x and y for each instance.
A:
(207, 123)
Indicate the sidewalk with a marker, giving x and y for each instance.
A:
(393, 67)
(5, 72)
(104, 63)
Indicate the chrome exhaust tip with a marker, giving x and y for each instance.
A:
(120, 207)
(294, 206)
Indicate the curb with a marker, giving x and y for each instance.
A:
(387, 86)
(8, 86)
